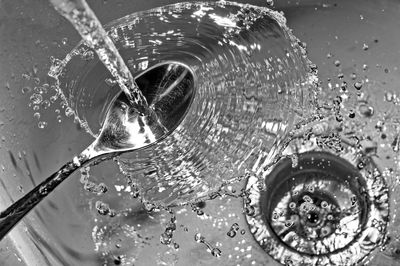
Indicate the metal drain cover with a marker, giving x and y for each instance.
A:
(324, 211)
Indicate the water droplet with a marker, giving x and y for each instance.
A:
(110, 82)
(295, 160)
(270, 2)
(199, 238)
(36, 98)
(216, 252)
(396, 143)
(45, 104)
(231, 233)
(388, 96)
(54, 98)
(250, 210)
(365, 110)
(235, 227)
(26, 76)
(166, 238)
(26, 90)
(88, 55)
(102, 208)
(358, 85)
(69, 112)
(42, 124)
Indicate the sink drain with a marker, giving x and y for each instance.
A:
(324, 211)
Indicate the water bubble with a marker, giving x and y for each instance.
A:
(42, 124)
(36, 98)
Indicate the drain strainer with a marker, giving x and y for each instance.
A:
(323, 211)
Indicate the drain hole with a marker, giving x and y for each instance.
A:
(324, 211)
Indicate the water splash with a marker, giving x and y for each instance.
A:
(246, 63)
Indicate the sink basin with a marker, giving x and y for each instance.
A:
(356, 48)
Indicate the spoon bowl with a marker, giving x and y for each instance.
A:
(169, 90)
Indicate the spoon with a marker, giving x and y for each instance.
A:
(169, 90)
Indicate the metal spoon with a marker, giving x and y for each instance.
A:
(169, 90)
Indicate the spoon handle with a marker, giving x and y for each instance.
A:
(13, 214)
